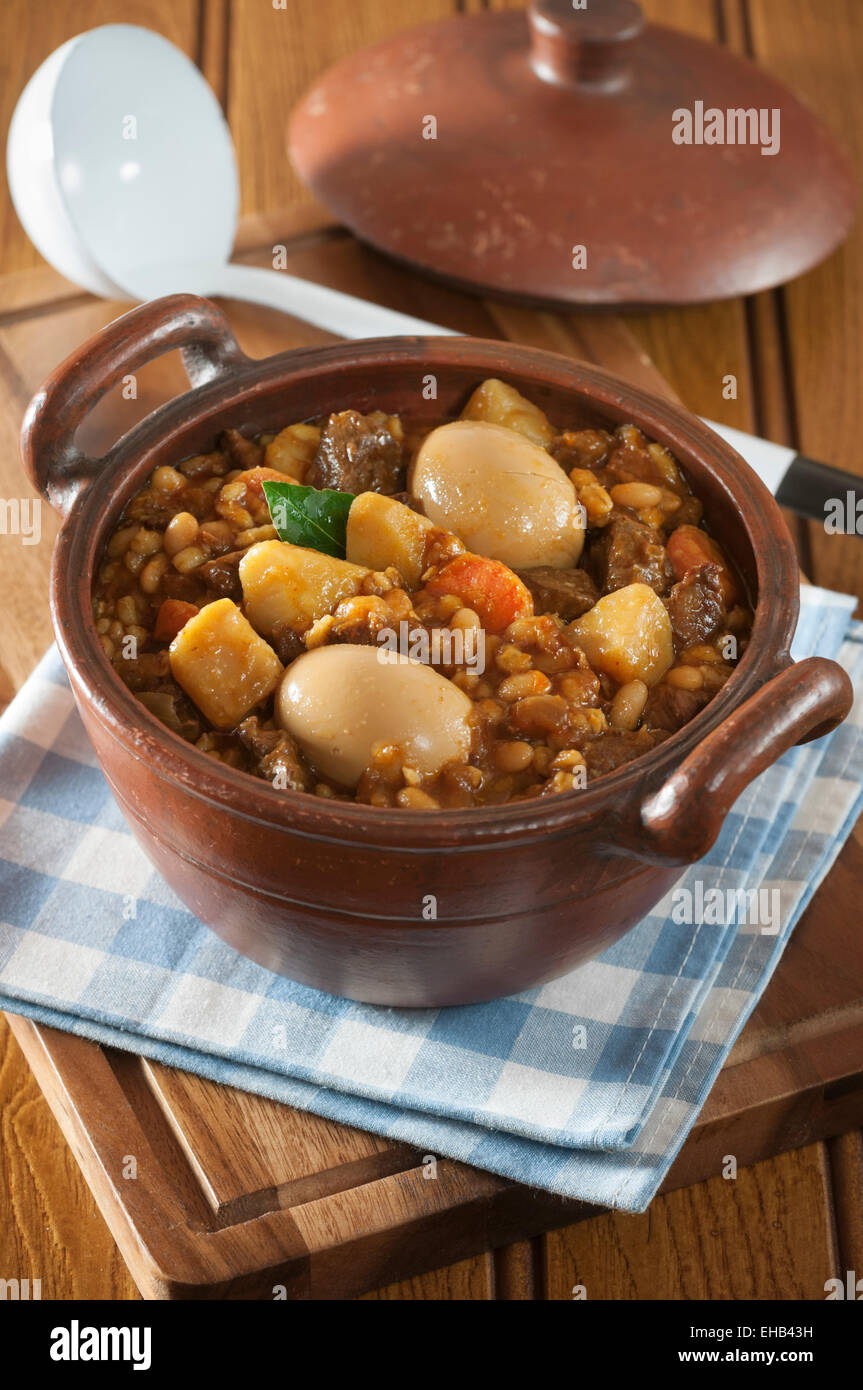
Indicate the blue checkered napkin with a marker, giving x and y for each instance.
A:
(499, 1085)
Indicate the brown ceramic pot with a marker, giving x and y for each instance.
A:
(338, 895)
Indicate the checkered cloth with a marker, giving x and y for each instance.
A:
(586, 1086)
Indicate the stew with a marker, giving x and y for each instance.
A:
(492, 610)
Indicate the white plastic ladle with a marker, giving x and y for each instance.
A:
(122, 171)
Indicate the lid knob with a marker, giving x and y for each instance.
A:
(584, 43)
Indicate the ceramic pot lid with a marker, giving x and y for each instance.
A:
(488, 149)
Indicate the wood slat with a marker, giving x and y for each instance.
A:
(822, 308)
(765, 1234)
(845, 1154)
(601, 338)
(252, 1155)
(515, 1271)
(52, 1229)
(469, 1279)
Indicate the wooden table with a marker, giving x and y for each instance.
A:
(786, 1224)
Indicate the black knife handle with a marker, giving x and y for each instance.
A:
(817, 491)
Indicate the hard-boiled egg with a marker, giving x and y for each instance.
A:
(338, 702)
(503, 495)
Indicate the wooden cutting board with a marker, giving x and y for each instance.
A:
(211, 1192)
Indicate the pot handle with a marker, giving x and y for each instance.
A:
(56, 467)
(681, 820)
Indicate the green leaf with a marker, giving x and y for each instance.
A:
(309, 517)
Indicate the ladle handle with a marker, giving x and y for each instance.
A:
(56, 466)
(326, 308)
(586, 45)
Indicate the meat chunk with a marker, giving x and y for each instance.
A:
(212, 465)
(186, 587)
(669, 707)
(613, 750)
(151, 509)
(358, 453)
(567, 592)
(581, 448)
(695, 607)
(632, 459)
(628, 552)
(287, 643)
(222, 574)
(149, 676)
(275, 755)
(243, 453)
(358, 620)
(690, 548)
(629, 459)
(149, 671)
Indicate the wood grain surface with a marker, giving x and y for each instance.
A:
(786, 1224)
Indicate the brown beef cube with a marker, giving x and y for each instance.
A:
(212, 465)
(274, 753)
(629, 460)
(186, 587)
(613, 750)
(287, 643)
(567, 592)
(357, 453)
(222, 574)
(628, 552)
(151, 509)
(695, 607)
(149, 671)
(581, 448)
(243, 453)
(670, 708)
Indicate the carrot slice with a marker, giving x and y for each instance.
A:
(172, 618)
(487, 586)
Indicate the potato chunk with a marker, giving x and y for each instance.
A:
(293, 449)
(285, 583)
(223, 665)
(499, 404)
(384, 532)
(627, 635)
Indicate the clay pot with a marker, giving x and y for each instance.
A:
(393, 906)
